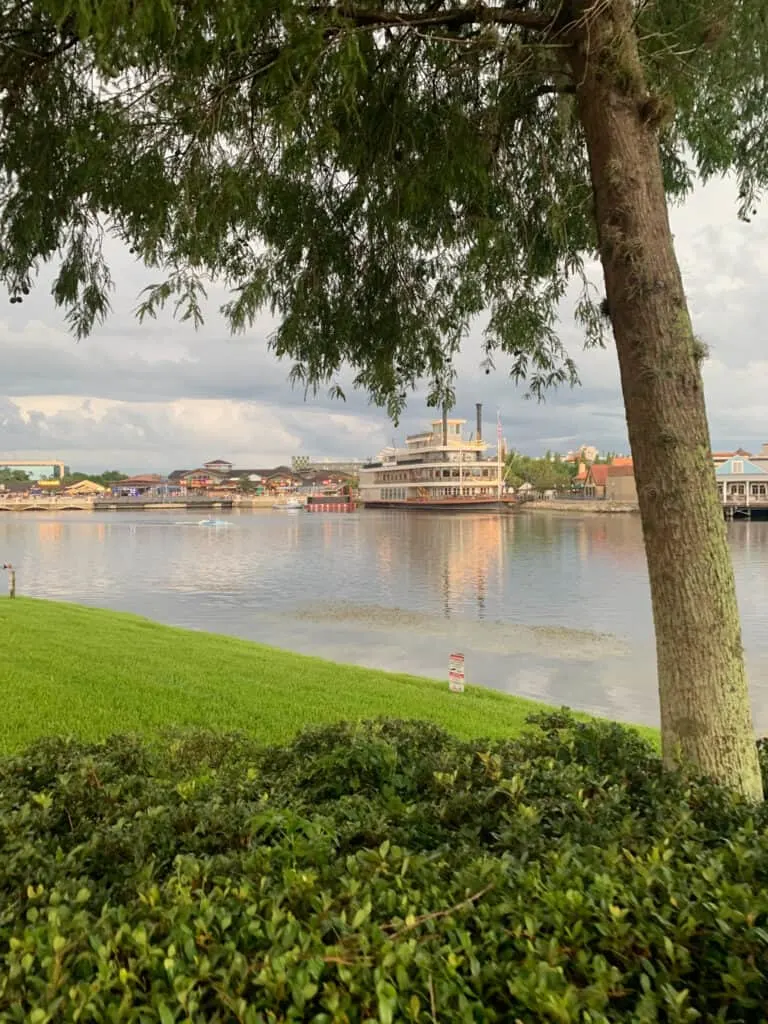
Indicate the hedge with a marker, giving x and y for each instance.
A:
(377, 872)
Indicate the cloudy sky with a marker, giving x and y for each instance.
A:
(161, 396)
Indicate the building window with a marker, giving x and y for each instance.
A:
(738, 466)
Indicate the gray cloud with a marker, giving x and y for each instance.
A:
(160, 395)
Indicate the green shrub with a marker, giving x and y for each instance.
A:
(377, 872)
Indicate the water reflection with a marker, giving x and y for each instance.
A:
(50, 533)
(465, 553)
(525, 595)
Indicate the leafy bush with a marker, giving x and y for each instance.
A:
(377, 872)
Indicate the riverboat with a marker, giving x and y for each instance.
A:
(438, 470)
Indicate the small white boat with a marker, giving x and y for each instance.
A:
(291, 505)
(213, 522)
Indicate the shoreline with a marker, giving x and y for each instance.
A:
(91, 673)
(581, 507)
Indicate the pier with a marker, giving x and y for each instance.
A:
(741, 507)
(140, 503)
(105, 504)
(45, 505)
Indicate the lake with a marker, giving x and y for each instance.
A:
(544, 605)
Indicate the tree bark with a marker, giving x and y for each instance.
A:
(705, 710)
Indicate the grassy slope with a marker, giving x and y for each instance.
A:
(89, 673)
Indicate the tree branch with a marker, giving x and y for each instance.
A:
(555, 90)
(451, 18)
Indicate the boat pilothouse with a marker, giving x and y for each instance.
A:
(437, 469)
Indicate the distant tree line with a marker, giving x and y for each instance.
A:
(110, 476)
(10, 475)
(550, 473)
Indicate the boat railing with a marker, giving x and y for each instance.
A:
(436, 444)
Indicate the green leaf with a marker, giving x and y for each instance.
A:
(386, 996)
(166, 1015)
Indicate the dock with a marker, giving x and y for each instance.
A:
(64, 504)
(46, 505)
(142, 504)
(740, 508)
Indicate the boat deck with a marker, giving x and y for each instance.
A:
(457, 504)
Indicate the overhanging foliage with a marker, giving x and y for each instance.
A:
(375, 174)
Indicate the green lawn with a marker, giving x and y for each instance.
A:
(89, 673)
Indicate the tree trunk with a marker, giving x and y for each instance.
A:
(705, 710)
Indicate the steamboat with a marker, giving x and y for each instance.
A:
(438, 470)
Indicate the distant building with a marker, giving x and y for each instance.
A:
(594, 485)
(197, 479)
(314, 479)
(146, 485)
(587, 453)
(759, 458)
(219, 466)
(742, 480)
(84, 488)
(620, 482)
(614, 481)
(220, 476)
(306, 463)
(720, 457)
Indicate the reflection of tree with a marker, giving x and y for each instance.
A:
(384, 555)
(746, 539)
(616, 538)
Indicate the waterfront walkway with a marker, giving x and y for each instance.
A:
(61, 503)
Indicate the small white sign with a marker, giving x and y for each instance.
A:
(456, 673)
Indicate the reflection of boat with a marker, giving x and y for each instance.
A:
(291, 505)
(213, 522)
(438, 470)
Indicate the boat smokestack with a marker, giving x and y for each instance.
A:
(445, 427)
(479, 430)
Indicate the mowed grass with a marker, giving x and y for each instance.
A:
(85, 672)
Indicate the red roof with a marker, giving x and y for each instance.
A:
(146, 478)
(622, 460)
(598, 474)
(623, 469)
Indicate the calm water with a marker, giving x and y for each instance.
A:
(543, 605)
